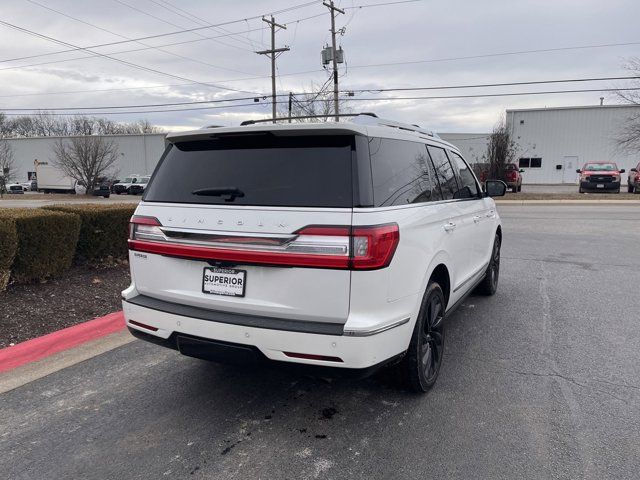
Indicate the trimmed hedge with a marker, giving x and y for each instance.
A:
(8, 248)
(103, 230)
(46, 242)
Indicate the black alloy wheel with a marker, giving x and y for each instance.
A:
(489, 285)
(422, 363)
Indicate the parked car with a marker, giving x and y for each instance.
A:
(13, 188)
(340, 245)
(124, 186)
(101, 190)
(633, 180)
(600, 176)
(26, 186)
(139, 187)
(513, 177)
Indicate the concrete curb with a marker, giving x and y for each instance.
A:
(65, 339)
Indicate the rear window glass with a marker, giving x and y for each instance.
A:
(260, 170)
(402, 173)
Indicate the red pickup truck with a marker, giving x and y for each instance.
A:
(600, 176)
(512, 177)
(633, 180)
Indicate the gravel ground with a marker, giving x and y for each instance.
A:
(83, 293)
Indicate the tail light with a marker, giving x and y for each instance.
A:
(317, 246)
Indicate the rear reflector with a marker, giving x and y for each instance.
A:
(315, 246)
(142, 325)
(308, 356)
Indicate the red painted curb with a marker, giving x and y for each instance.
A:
(47, 345)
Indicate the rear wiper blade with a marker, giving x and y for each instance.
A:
(231, 192)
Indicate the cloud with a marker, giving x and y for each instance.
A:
(441, 32)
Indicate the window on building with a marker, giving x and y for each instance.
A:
(468, 185)
(402, 173)
(444, 172)
(535, 162)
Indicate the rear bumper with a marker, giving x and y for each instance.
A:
(213, 337)
(594, 186)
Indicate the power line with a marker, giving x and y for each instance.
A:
(128, 38)
(321, 90)
(509, 84)
(381, 4)
(160, 19)
(160, 35)
(124, 62)
(500, 54)
(267, 102)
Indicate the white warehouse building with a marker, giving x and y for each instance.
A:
(553, 142)
(137, 153)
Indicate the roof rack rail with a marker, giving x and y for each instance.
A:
(306, 117)
(383, 122)
(211, 126)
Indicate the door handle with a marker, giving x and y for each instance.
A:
(476, 219)
(449, 227)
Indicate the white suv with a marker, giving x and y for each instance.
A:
(329, 244)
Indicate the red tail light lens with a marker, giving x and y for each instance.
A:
(373, 247)
(316, 246)
(141, 227)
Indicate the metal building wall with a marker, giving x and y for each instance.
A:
(566, 138)
(138, 153)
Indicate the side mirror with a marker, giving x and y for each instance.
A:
(633, 170)
(495, 188)
(578, 171)
(522, 170)
(622, 170)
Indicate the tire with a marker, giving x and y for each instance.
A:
(421, 365)
(520, 187)
(489, 284)
(514, 189)
(617, 191)
(580, 190)
(630, 188)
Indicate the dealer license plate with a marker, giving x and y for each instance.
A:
(224, 281)
(600, 185)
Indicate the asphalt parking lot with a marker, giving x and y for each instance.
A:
(540, 381)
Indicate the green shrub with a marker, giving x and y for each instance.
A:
(103, 230)
(8, 248)
(46, 242)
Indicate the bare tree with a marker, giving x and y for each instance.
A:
(86, 158)
(628, 138)
(318, 101)
(501, 149)
(6, 165)
(45, 124)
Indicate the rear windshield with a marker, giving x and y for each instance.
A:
(604, 167)
(260, 170)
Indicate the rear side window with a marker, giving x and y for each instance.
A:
(402, 173)
(260, 170)
(444, 172)
(468, 185)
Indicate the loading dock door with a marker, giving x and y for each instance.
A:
(569, 167)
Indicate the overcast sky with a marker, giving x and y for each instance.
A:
(436, 33)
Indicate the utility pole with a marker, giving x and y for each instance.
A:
(333, 9)
(273, 54)
(290, 105)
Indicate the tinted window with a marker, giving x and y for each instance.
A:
(402, 173)
(444, 172)
(263, 170)
(468, 185)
